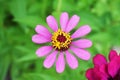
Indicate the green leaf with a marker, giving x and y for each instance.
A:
(28, 57)
(38, 76)
(31, 21)
(18, 8)
(87, 18)
(4, 66)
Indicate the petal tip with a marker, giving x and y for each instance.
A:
(88, 27)
(77, 17)
(90, 44)
(37, 27)
(74, 67)
(89, 74)
(88, 57)
(46, 66)
(37, 53)
(34, 38)
(50, 16)
(113, 51)
(99, 59)
(112, 54)
(59, 71)
(65, 13)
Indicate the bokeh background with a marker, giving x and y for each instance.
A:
(18, 19)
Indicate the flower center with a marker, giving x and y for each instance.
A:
(61, 40)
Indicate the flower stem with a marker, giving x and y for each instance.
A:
(59, 5)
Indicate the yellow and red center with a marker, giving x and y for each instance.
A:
(61, 40)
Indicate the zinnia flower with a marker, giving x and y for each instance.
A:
(104, 70)
(62, 42)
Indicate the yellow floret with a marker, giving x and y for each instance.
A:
(58, 45)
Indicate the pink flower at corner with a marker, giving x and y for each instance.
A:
(104, 70)
(62, 42)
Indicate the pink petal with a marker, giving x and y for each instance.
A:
(81, 53)
(104, 70)
(114, 66)
(95, 74)
(60, 63)
(82, 31)
(112, 54)
(99, 59)
(43, 31)
(71, 60)
(44, 51)
(104, 78)
(72, 23)
(90, 74)
(52, 23)
(64, 20)
(39, 39)
(82, 43)
(50, 59)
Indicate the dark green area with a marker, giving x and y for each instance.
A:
(18, 19)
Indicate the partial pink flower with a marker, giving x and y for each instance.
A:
(62, 42)
(104, 70)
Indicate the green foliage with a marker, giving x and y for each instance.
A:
(18, 19)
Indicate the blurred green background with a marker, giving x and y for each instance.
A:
(18, 19)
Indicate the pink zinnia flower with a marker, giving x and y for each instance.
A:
(104, 70)
(62, 42)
